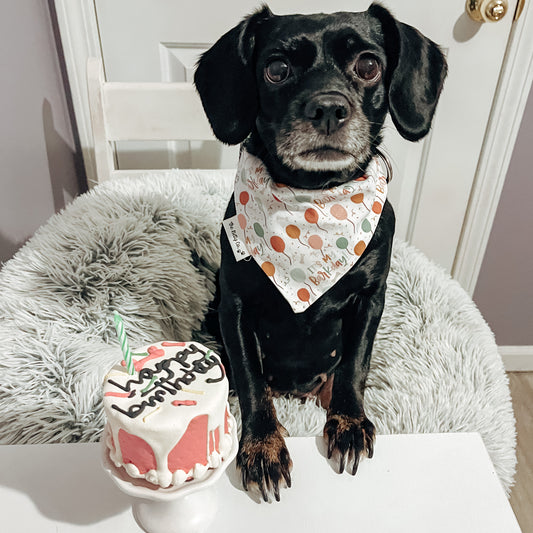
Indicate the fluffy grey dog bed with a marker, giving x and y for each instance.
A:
(148, 247)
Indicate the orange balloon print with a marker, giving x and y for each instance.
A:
(359, 248)
(293, 231)
(357, 198)
(311, 216)
(277, 243)
(268, 268)
(304, 295)
(377, 207)
(244, 197)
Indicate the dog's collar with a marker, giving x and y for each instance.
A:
(304, 240)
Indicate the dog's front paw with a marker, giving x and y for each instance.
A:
(347, 439)
(265, 464)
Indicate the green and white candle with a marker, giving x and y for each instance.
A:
(126, 352)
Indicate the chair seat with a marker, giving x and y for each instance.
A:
(147, 246)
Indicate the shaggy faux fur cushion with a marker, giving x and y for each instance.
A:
(148, 247)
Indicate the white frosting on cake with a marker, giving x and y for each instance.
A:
(168, 423)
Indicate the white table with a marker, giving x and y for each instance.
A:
(414, 483)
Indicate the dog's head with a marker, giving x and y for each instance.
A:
(311, 93)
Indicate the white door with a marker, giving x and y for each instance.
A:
(143, 40)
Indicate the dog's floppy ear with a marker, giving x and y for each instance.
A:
(415, 75)
(225, 80)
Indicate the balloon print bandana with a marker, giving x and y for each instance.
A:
(304, 240)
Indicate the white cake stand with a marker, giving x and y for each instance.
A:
(189, 508)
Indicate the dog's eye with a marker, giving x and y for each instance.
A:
(368, 68)
(277, 71)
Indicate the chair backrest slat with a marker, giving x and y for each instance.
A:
(154, 112)
(124, 111)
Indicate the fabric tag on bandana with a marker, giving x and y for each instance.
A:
(236, 238)
(305, 240)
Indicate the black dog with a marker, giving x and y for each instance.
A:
(308, 95)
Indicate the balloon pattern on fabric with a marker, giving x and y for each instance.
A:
(311, 216)
(259, 231)
(303, 294)
(282, 202)
(297, 274)
(268, 268)
(242, 221)
(244, 198)
(342, 244)
(359, 248)
(306, 240)
(278, 245)
(303, 198)
(316, 242)
(294, 232)
(359, 198)
(340, 213)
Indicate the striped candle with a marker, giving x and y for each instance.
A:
(126, 352)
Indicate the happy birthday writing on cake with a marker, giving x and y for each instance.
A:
(163, 380)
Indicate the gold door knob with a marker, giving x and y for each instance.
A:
(486, 10)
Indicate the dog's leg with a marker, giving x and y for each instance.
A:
(348, 432)
(263, 457)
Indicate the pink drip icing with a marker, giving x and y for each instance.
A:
(136, 451)
(184, 402)
(191, 449)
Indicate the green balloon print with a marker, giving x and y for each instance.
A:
(259, 230)
(297, 274)
(342, 243)
(366, 225)
(303, 198)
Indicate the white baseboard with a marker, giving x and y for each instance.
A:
(517, 358)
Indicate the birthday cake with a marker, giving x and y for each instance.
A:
(167, 418)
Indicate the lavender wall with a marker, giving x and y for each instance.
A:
(39, 167)
(504, 291)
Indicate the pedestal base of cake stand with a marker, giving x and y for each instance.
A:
(189, 508)
(187, 513)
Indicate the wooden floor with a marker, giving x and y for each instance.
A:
(522, 493)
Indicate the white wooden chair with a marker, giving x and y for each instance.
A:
(123, 111)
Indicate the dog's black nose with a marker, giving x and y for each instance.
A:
(328, 112)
